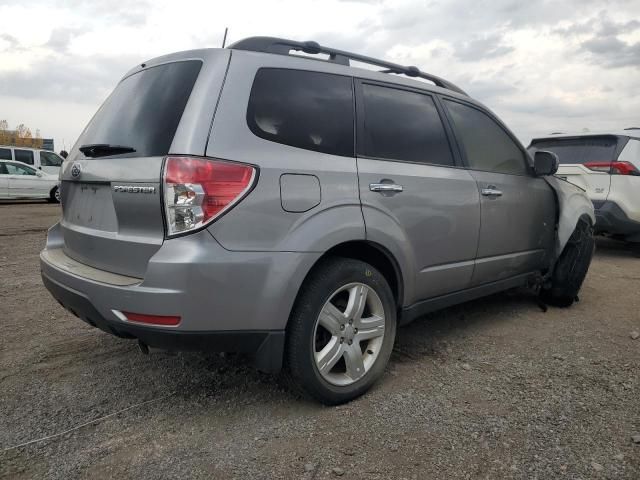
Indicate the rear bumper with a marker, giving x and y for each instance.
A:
(266, 345)
(226, 301)
(610, 218)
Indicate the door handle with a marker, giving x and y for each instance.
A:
(385, 187)
(491, 191)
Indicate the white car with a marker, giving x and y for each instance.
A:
(607, 167)
(18, 181)
(45, 160)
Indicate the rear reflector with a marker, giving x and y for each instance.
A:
(151, 319)
(614, 168)
(199, 190)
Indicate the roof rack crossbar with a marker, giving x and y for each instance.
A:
(283, 46)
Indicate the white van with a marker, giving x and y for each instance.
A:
(45, 160)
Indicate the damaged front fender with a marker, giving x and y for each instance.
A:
(573, 204)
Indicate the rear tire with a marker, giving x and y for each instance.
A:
(341, 331)
(571, 268)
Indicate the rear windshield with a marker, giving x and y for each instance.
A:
(579, 150)
(144, 110)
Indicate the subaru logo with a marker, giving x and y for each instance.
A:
(76, 171)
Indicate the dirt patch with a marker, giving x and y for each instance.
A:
(490, 389)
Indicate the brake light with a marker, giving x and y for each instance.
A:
(199, 190)
(614, 168)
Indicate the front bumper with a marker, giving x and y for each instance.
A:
(610, 218)
(227, 301)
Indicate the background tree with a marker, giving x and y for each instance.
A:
(37, 141)
(4, 132)
(20, 137)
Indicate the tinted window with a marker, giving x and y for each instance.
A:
(487, 145)
(5, 154)
(307, 110)
(403, 125)
(24, 156)
(15, 169)
(144, 110)
(579, 150)
(50, 159)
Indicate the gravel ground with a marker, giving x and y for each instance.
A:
(491, 389)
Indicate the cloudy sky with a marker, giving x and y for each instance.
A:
(541, 65)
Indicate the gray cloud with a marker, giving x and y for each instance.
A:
(611, 52)
(71, 79)
(608, 27)
(490, 46)
(61, 38)
(14, 44)
(578, 84)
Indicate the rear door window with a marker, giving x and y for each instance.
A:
(486, 144)
(144, 110)
(303, 109)
(15, 169)
(24, 156)
(5, 154)
(579, 150)
(402, 125)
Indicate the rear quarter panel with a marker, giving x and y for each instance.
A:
(259, 222)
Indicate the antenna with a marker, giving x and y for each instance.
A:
(224, 39)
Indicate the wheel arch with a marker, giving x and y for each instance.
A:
(370, 252)
(377, 256)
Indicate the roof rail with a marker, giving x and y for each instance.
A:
(283, 46)
(632, 128)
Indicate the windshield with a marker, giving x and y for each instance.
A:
(143, 112)
(579, 150)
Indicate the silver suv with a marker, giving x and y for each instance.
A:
(250, 199)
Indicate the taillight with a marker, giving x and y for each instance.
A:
(614, 168)
(199, 190)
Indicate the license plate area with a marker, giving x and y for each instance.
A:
(89, 205)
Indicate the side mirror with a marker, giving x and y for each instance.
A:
(39, 173)
(545, 163)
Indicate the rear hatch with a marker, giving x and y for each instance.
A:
(584, 161)
(111, 182)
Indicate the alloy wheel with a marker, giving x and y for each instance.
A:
(348, 334)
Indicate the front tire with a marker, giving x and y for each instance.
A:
(341, 331)
(54, 196)
(571, 268)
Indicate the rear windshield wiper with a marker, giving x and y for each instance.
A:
(104, 149)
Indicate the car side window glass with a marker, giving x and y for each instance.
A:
(3, 169)
(403, 125)
(5, 154)
(303, 109)
(15, 169)
(24, 156)
(487, 146)
(49, 159)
